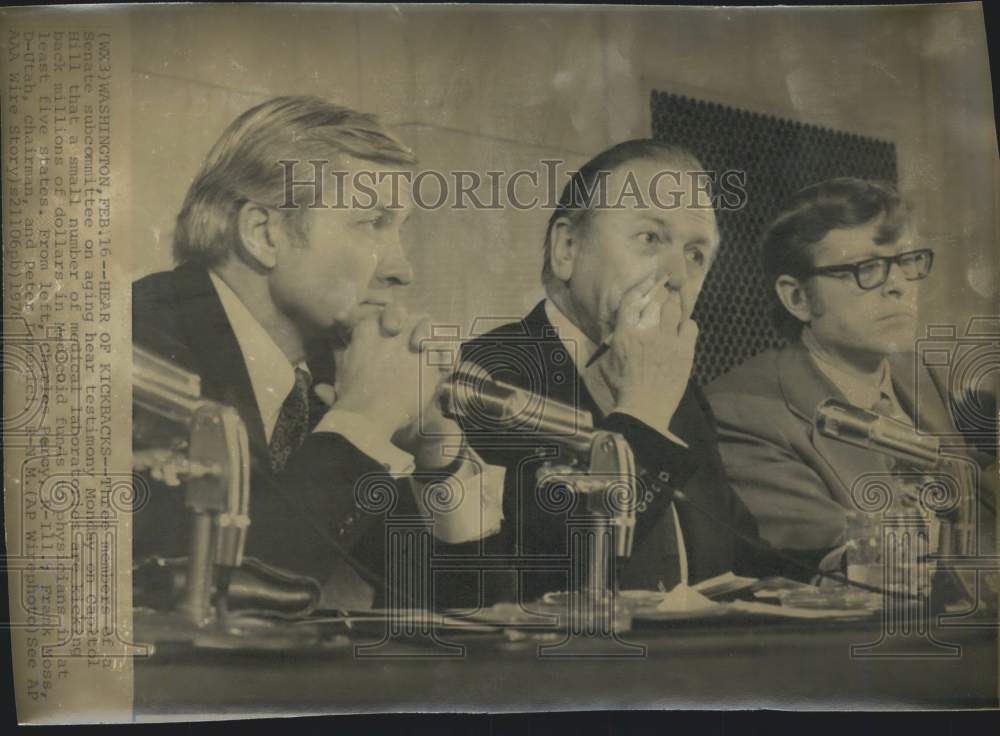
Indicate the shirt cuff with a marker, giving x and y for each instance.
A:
(479, 511)
(654, 425)
(492, 480)
(358, 430)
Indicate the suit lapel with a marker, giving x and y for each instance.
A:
(804, 387)
(555, 366)
(221, 364)
(687, 417)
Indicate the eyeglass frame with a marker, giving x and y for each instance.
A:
(855, 268)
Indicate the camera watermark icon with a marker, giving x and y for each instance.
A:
(955, 401)
(498, 386)
(70, 570)
(586, 622)
(965, 368)
(516, 396)
(894, 532)
(41, 376)
(64, 530)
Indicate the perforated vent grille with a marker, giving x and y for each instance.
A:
(779, 157)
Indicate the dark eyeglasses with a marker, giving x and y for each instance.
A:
(873, 272)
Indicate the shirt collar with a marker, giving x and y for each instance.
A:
(861, 390)
(579, 346)
(272, 376)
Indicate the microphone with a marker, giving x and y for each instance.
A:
(870, 430)
(471, 393)
(602, 469)
(760, 545)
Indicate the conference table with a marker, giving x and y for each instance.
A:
(729, 662)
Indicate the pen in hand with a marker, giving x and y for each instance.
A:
(605, 345)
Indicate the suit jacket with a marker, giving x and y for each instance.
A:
(797, 482)
(304, 519)
(529, 354)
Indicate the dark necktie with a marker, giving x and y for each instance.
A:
(293, 424)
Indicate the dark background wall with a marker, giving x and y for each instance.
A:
(490, 89)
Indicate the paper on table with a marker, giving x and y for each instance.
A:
(769, 609)
(683, 599)
(727, 582)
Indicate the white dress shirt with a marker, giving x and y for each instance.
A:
(580, 348)
(861, 390)
(272, 377)
(865, 391)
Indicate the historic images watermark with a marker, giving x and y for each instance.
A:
(315, 184)
(65, 561)
(581, 475)
(930, 539)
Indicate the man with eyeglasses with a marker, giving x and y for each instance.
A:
(846, 277)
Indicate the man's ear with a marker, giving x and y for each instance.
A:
(565, 248)
(256, 229)
(792, 294)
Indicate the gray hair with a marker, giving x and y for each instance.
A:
(584, 189)
(243, 166)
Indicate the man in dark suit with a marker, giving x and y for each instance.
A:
(846, 276)
(288, 313)
(625, 257)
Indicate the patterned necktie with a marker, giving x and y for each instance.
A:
(293, 425)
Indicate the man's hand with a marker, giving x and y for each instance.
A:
(379, 374)
(834, 563)
(652, 352)
(434, 440)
